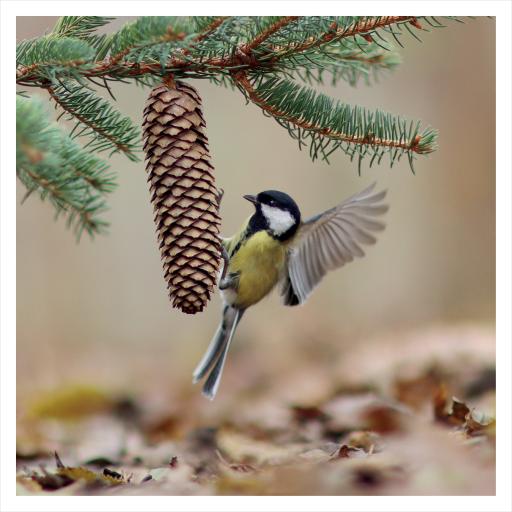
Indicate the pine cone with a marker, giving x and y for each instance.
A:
(183, 193)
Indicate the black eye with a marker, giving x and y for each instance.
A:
(272, 202)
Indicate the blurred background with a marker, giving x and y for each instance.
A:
(98, 311)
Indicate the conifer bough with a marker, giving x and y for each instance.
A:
(183, 193)
(275, 62)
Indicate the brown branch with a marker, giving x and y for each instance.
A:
(24, 71)
(35, 156)
(84, 215)
(44, 183)
(242, 57)
(360, 28)
(112, 64)
(202, 35)
(172, 36)
(242, 80)
(83, 120)
(210, 28)
(361, 57)
(169, 36)
(260, 38)
(55, 192)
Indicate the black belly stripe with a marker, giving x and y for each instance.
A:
(239, 244)
(256, 223)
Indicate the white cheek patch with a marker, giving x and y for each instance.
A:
(279, 221)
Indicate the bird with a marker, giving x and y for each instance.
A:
(276, 248)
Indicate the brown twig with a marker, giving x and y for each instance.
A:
(243, 57)
(178, 37)
(170, 35)
(113, 65)
(47, 185)
(44, 183)
(375, 59)
(360, 28)
(24, 71)
(243, 81)
(260, 38)
(83, 120)
(169, 81)
(210, 28)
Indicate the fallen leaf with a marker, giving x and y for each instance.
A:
(414, 391)
(384, 419)
(238, 447)
(167, 427)
(50, 481)
(66, 475)
(348, 452)
(243, 468)
(478, 424)
(303, 414)
(364, 439)
(363, 412)
(70, 403)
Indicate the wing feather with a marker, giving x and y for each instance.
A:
(329, 240)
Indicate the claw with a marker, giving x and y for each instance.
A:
(225, 257)
(229, 282)
(220, 195)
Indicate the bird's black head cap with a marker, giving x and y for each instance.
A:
(269, 204)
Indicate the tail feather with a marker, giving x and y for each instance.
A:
(215, 356)
(213, 350)
(212, 382)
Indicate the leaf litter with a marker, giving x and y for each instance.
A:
(405, 424)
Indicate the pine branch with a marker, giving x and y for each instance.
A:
(349, 61)
(50, 56)
(160, 52)
(261, 56)
(228, 46)
(50, 163)
(210, 28)
(80, 27)
(144, 31)
(366, 27)
(328, 125)
(268, 32)
(106, 127)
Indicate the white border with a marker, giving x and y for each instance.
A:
(10, 502)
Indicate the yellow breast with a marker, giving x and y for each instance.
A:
(260, 262)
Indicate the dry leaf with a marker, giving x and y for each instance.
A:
(349, 452)
(71, 403)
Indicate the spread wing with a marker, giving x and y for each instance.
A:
(329, 240)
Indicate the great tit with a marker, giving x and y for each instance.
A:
(275, 247)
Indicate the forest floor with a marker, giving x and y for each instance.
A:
(412, 414)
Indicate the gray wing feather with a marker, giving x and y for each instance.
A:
(329, 240)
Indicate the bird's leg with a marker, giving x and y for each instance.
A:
(225, 258)
(230, 281)
(223, 252)
(220, 195)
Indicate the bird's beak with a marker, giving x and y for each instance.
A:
(251, 199)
